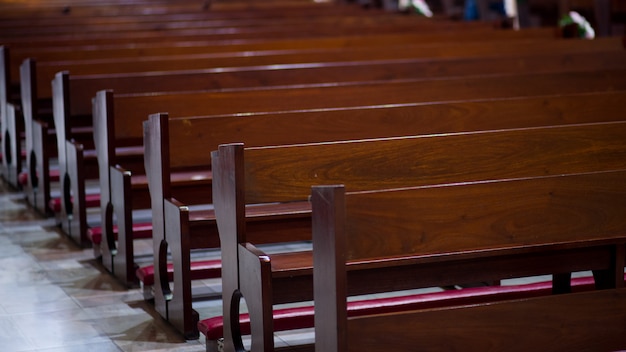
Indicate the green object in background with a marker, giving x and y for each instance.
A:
(420, 7)
(582, 26)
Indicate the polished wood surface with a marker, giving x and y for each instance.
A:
(550, 222)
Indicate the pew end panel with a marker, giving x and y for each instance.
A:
(154, 157)
(39, 180)
(60, 105)
(117, 248)
(329, 260)
(37, 165)
(178, 308)
(74, 210)
(171, 231)
(61, 100)
(228, 202)
(72, 110)
(5, 89)
(102, 126)
(175, 167)
(12, 156)
(502, 219)
(74, 169)
(115, 207)
(255, 287)
(5, 79)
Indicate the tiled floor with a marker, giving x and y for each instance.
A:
(56, 297)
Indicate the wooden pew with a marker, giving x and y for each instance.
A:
(171, 145)
(194, 34)
(140, 8)
(323, 8)
(315, 18)
(438, 33)
(273, 8)
(330, 17)
(75, 91)
(129, 108)
(44, 85)
(256, 176)
(28, 72)
(47, 50)
(539, 34)
(306, 27)
(36, 90)
(192, 15)
(495, 229)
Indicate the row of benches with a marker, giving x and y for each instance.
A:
(246, 276)
(36, 78)
(286, 173)
(111, 109)
(189, 227)
(428, 90)
(43, 204)
(38, 149)
(246, 76)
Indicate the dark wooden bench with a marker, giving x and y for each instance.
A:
(129, 108)
(204, 34)
(496, 229)
(72, 103)
(171, 146)
(44, 85)
(307, 27)
(341, 16)
(46, 71)
(28, 72)
(324, 13)
(36, 89)
(137, 108)
(109, 9)
(221, 13)
(256, 176)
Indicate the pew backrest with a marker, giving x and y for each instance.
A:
(175, 141)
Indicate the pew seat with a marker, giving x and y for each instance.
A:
(91, 201)
(201, 269)
(54, 177)
(141, 231)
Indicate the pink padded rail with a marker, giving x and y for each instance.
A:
(23, 177)
(202, 269)
(303, 317)
(140, 231)
(91, 201)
